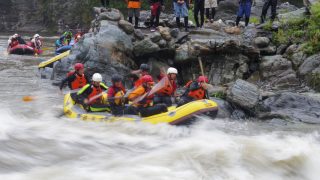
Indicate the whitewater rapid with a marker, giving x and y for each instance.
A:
(37, 143)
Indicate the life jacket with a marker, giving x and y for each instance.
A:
(117, 94)
(134, 4)
(14, 43)
(197, 94)
(95, 91)
(79, 82)
(140, 91)
(138, 82)
(169, 89)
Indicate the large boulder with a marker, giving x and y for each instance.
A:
(277, 72)
(244, 94)
(107, 52)
(261, 42)
(126, 26)
(291, 107)
(145, 47)
(309, 65)
(111, 15)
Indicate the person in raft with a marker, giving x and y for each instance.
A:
(75, 79)
(36, 43)
(90, 96)
(143, 70)
(144, 106)
(165, 94)
(134, 11)
(195, 90)
(64, 40)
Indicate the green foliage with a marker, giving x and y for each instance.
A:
(219, 94)
(304, 31)
(254, 20)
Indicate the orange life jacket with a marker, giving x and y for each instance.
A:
(140, 91)
(95, 91)
(79, 82)
(134, 4)
(198, 94)
(168, 90)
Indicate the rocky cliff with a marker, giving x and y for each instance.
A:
(45, 15)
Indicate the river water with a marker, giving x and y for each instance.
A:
(36, 143)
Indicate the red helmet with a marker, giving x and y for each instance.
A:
(147, 79)
(78, 66)
(203, 79)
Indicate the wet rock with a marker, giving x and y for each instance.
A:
(309, 65)
(145, 47)
(138, 34)
(243, 94)
(277, 72)
(182, 38)
(261, 42)
(165, 33)
(174, 32)
(225, 108)
(183, 53)
(291, 107)
(162, 43)
(298, 58)
(292, 15)
(281, 49)
(107, 52)
(155, 37)
(267, 51)
(126, 26)
(111, 15)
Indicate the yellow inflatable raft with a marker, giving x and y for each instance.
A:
(54, 59)
(175, 116)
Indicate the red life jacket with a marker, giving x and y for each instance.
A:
(79, 82)
(138, 82)
(95, 91)
(197, 94)
(169, 89)
(14, 43)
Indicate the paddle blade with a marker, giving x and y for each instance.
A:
(28, 98)
(161, 84)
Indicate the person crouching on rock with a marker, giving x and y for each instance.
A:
(142, 101)
(156, 6)
(244, 9)
(196, 90)
(164, 95)
(91, 95)
(134, 10)
(181, 10)
(117, 99)
(76, 79)
(143, 70)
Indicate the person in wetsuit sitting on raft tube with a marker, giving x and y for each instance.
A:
(91, 95)
(76, 79)
(144, 106)
(164, 95)
(196, 90)
(64, 40)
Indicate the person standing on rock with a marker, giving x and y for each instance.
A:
(196, 90)
(181, 10)
(266, 5)
(156, 6)
(210, 5)
(244, 9)
(198, 7)
(134, 10)
(105, 3)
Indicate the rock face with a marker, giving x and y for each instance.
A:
(36, 16)
(278, 72)
(292, 107)
(243, 94)
(144, 47)
(309, 65)
(108, 51)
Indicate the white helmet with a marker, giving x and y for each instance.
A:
(172, 70)
(36, 36)
(97, 77)
(15, 35)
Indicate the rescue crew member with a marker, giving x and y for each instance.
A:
(196, 90)
(116, 97)
(76, 79)
(144, 107)
(164, 95)
(143, 70)
(90, 96)
(134, 10)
